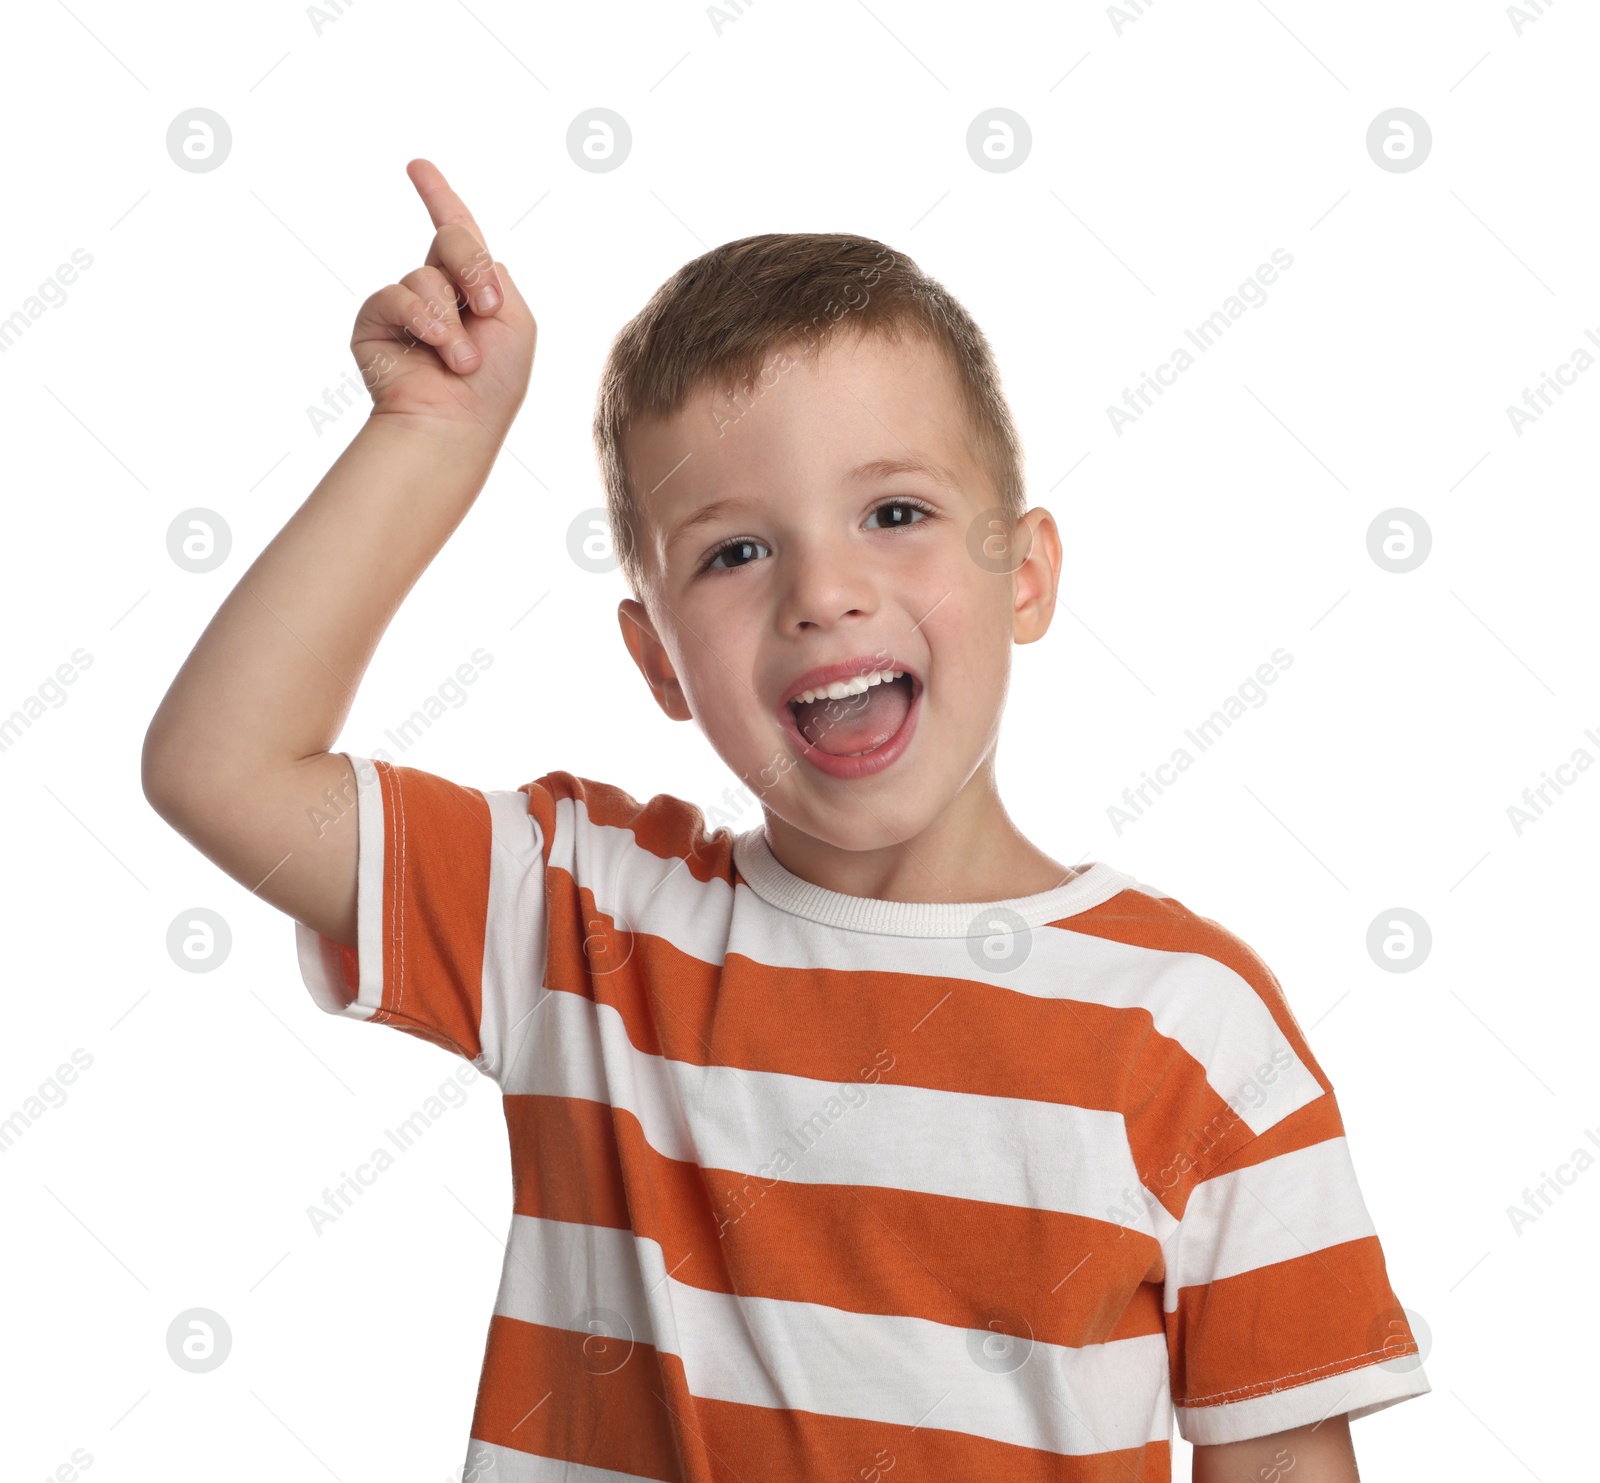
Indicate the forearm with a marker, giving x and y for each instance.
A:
(1319, 1453)
(273, 676)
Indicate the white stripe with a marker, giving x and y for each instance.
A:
(812, 1357)
(319, 955)
(1274, 1211)
(515, 937)
(489, 1463)
(582, 1050)
(767, 1124)
(319, 970)
(1356, 1393)
(369, 883)
(641, 891)
(1203, 1005)
(514, 933)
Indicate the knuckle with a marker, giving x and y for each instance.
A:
(476, 266)
(435, 305)
(427, 281)
(440, 308)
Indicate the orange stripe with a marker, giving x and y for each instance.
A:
(578, 1397)
(565, 1163)
(1069, 1280)
(436, 901)
(1302, 1128)
(1278, 1325)
(943, 1034)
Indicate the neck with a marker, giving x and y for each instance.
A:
(971, 852)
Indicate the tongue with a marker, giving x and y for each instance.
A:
(858, 723)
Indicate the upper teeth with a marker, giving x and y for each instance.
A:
(856, 685)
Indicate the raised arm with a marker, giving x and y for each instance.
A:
(236, 757)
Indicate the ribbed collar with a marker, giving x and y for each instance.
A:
(778, 887)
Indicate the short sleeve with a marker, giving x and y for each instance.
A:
(450, 914)
(1278, 1307)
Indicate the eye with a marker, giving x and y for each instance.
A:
(898, 513)
(740, 551)
(893, 514)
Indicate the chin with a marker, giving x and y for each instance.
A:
(850, 826)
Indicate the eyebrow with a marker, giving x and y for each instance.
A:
(706, 514)
(887, 468)
(866, 473)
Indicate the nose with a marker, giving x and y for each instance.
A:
(825, 584)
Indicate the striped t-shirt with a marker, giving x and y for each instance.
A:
(809, 1186)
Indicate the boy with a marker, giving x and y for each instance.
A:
(870, 1139)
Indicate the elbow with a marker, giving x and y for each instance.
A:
(155, 778)
(162, 773)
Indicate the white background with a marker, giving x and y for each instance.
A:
(1167, 163)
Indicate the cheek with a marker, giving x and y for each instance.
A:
(972, 612)
(717, 686)
(969, 638)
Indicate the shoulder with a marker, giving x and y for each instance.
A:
(585, 823)
(1207, 989)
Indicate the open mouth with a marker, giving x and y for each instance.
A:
(857, 723)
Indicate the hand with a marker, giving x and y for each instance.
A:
(450, 346)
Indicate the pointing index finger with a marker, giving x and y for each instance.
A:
(445, 207)
(473, 269)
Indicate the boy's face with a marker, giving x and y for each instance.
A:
(781, 540)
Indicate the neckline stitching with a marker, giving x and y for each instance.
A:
(776, 885)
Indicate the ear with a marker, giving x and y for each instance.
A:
(1036, 579)
(650, 654)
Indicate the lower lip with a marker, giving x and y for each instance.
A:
(867, 763)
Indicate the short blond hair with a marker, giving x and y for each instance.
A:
(724, 318)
